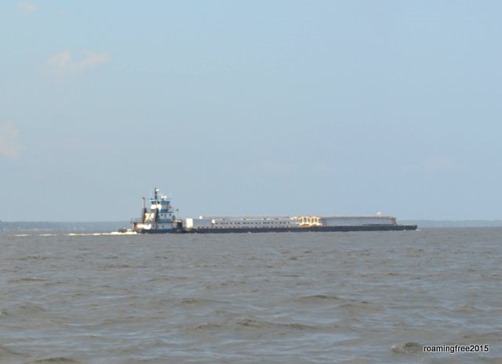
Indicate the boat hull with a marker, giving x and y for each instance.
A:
(284, 229)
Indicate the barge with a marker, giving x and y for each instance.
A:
(158, 216)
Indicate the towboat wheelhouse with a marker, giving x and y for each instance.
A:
(157, 217)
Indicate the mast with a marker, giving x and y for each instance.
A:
(143, 211)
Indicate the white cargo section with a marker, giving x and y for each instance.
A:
(267, 222)
(242, 222)
(203, 222)
(254, 222)
(358, 220)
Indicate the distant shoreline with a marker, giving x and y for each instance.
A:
(54, 226)
(454, 223)
(106, 226)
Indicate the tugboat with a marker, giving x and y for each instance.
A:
(159, 218)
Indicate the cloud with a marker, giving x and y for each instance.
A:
(27, 8)
(66, 62)
(9, 145)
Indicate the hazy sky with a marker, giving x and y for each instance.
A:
(251, 107)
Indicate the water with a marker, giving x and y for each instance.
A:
(251, 298)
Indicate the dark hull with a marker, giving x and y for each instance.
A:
(286, 229)
(156, 231)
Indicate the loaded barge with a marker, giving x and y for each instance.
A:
(159, 217)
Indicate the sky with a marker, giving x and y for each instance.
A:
(251, 107)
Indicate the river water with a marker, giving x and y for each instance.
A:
(251, 298)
